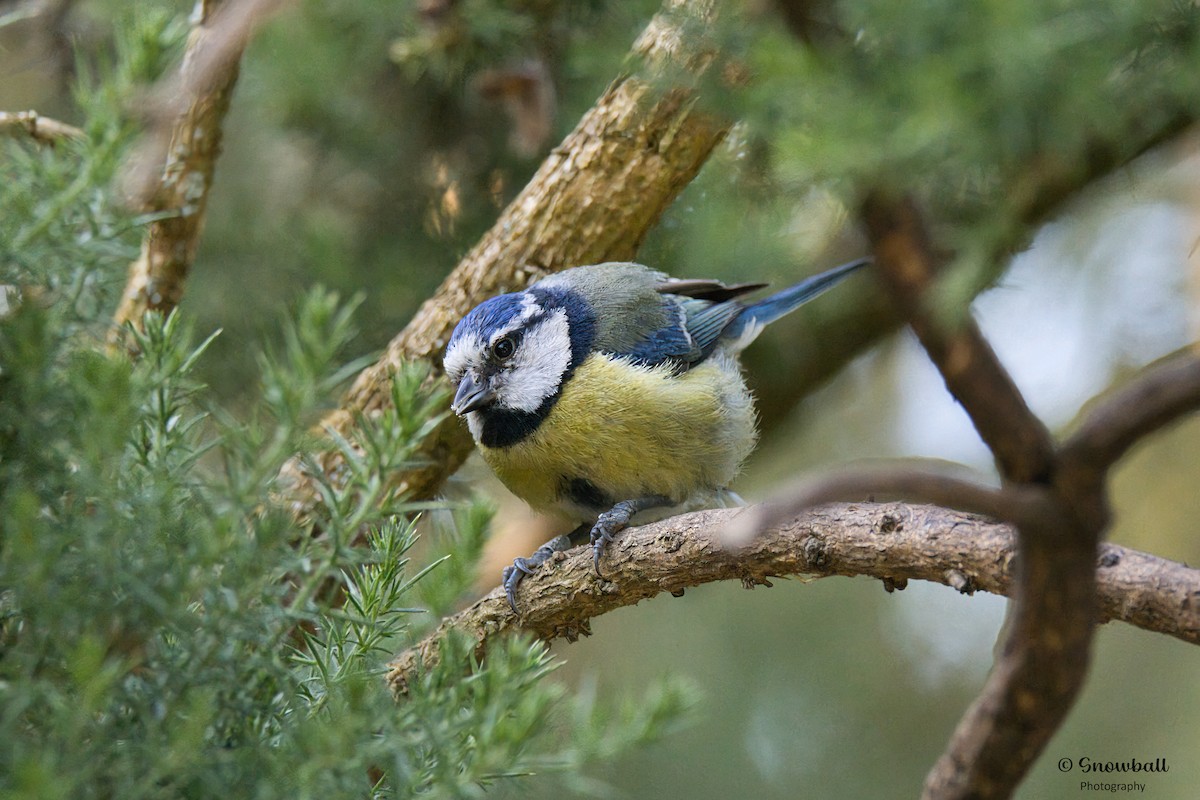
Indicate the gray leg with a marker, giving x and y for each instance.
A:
(513, 575)
(616, 520)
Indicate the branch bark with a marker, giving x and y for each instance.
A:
(594, 199)
(891, 541)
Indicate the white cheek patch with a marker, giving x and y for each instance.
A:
(536, 370)
(460, 356)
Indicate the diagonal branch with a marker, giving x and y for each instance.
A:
(594, 199)
(905, 257)
(173, 169)
(887, 541)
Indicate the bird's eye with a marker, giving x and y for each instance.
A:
(504, 348)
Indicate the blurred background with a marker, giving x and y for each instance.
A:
(370, 144)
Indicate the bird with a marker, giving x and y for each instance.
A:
(607, 391)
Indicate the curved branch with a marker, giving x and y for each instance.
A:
(890, 541)
(1159, 395)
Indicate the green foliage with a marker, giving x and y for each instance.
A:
(460, 545)
(167, 629)
(169, 633)
(969, 104)
(62, 236)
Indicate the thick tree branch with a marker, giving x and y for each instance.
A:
(594, 199)
(173, 169)
(890, 541)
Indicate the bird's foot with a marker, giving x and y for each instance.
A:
(515, 573)
(615, 520)
(607, 526)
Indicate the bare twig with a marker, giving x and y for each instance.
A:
(1156, 397)
(42, 130)
(888, 541)
(173, 168)
(594, 199)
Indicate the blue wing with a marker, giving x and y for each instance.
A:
(694, 323)
(671, 344)
(700, 315)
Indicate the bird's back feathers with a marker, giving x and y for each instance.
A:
(643, 315)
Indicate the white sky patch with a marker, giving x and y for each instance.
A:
(536, 369)
(943, 635)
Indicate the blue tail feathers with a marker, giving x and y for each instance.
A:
(757, 316)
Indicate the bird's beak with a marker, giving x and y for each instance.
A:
(471, 396)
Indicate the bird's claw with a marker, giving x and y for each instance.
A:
(511, 578)
(602, 534)
(615, 520)
(513, 574)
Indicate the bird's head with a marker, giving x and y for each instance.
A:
(513, 353)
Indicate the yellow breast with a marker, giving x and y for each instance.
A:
(633, 431)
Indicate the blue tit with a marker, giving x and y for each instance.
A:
(611, 390)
